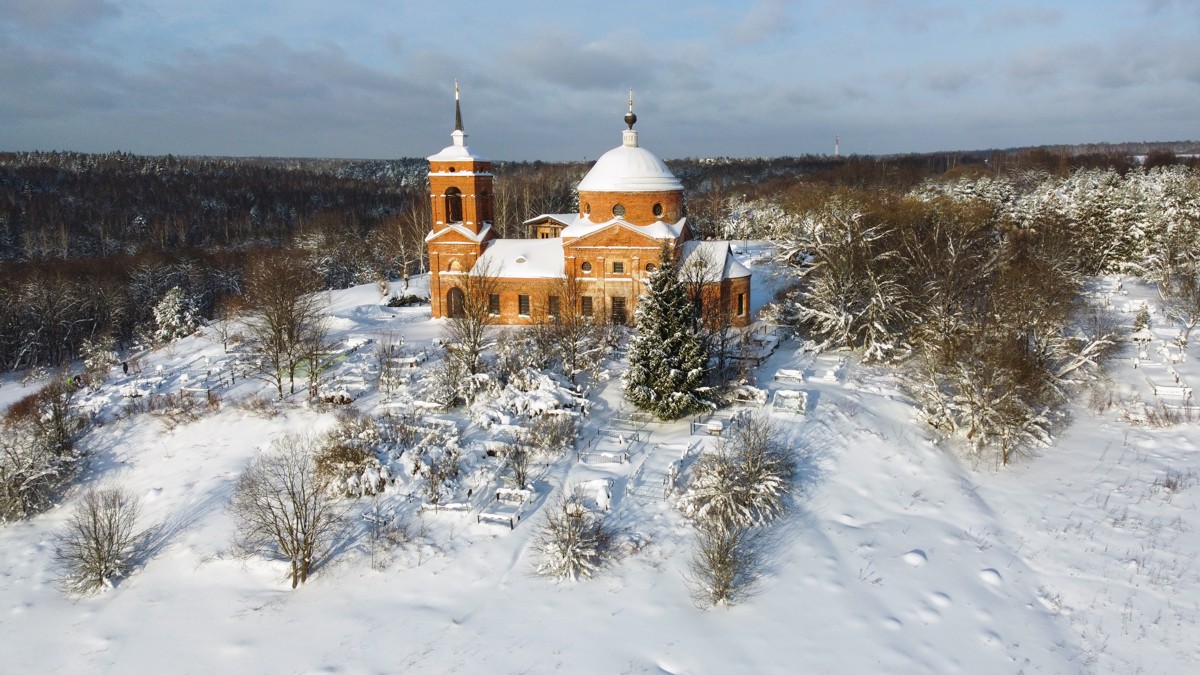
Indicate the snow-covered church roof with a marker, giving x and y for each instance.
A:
(629, 168)
(716, 259)
(522, 259)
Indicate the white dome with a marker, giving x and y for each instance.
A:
(628, 168)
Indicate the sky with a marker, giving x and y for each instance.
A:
(543, 79)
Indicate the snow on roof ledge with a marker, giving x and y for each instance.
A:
(658, 229)
(564, 218)
(452, 153)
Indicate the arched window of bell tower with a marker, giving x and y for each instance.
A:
(454, 206)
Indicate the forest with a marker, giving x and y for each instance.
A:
(90, 244)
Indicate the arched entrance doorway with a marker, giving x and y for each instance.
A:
(454, 303)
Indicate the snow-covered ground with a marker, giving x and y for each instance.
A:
(898, 557)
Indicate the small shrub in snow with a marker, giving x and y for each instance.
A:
(260, 406)
(100, 540)
(518, 459)
(1142, 320)
(406, 300)
(175, 409)
(440, 469)
(444, 382)
(553, 435)
(745, 482)
(517, 351)
(385, 532)
(572, 542)
(723, 562)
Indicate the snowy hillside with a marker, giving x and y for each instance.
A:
(897, 557)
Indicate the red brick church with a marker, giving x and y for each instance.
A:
(630, 207)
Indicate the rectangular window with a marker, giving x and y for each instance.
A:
(585, 305)
(741, 304)
(552, 306)
(618, 267)
(618, 311)
(523, 305)
(494, 304)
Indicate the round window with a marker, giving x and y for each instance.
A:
(658, 210)
(650, 267)
(451, 169)
(586, 267)
(619, 211)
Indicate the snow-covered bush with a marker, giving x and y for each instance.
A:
(38, 457)
(175, 316)
(553, 435)
(98, 356)
(100, 540)
(440, 469)
(517, 351)
(572, 542)
(347, 461)
(448, 384)
(745, 481)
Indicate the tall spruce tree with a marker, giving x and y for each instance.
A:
(669, 356)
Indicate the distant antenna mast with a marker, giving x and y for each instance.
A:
(837, 147)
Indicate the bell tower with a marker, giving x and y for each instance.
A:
(460, 193)
(460, 182)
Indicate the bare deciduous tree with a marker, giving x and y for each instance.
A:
(386, 354)
(469, 326)
(282, 506)
(579, 343)
(100, 540)
(518, 460)
(286, 317)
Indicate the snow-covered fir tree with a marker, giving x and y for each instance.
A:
(669, 356)
(175, 316)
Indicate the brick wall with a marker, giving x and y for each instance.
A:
(639, 206)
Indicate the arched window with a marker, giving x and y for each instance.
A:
(586, 267)
(587, 208)
(454, 266)
(454, 211)
(454, 303)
